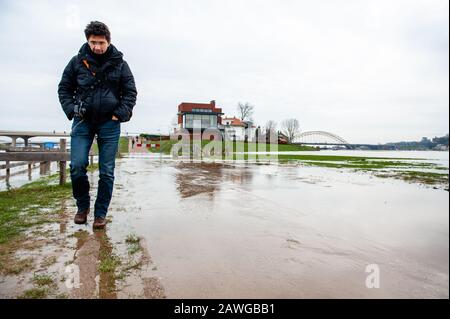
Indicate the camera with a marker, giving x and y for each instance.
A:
(80, 110)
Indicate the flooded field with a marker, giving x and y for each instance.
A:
(239, 230)
(280, 231)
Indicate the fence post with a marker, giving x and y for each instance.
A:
(8, 170)
(62, 164)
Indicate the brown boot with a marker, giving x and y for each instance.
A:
(81, 216)
(99, 223)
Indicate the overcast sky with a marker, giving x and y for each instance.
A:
(369, 71)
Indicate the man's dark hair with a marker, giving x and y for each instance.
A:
(97, 28)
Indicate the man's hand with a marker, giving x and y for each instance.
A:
(114, 118)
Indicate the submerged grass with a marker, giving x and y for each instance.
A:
(408, 169)
(411, 170)
(31, 205)
(22, 208)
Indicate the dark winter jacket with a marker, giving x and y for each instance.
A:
(105, 86)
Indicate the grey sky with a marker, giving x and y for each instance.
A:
(369, 71)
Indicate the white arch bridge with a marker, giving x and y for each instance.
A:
(320, 137)
(323, 138)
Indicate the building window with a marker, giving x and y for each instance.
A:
(202, 110)
(189, 120)
(201, 121)
(213, 121)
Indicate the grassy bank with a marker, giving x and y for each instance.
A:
(166, 146)
(123, 145)
(23, 209)
(32, 204)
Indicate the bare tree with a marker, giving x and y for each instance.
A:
(245, 111)
(291, 129)
(270, 126)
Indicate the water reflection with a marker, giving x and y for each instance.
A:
(198, 178)
(208, 178)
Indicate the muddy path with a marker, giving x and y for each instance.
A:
(59, 259)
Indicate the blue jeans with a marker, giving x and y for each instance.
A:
(82, 136)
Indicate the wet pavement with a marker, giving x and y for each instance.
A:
(237, 230)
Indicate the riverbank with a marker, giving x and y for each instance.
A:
(167, 145)
(38, 242)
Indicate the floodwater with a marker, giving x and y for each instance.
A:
(241, 230)
(219, 230)
(436, 157)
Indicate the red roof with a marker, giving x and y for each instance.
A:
(187, 107)
(234, 121)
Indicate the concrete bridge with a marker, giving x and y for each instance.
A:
(26, 135)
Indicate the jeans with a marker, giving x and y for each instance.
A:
(82, 136)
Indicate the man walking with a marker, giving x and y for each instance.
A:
(98, 92)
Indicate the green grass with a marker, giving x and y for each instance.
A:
(92, 167)
(133, 244)
(14, 266)
(43, 286)
(21, 208)
(95, 149)
(108, 263)
(429, 178)
(123, 145)
(48, 261)
(43, 280)
(400, 168)
(33, 204)
(35, 293)
(370, 165)
(166, 146)
(334, 158)
(132, 239)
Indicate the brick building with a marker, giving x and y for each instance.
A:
(199, 115)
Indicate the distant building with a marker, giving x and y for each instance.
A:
(282, 138)
(199, 115)
(239, 130)
(204, 116)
